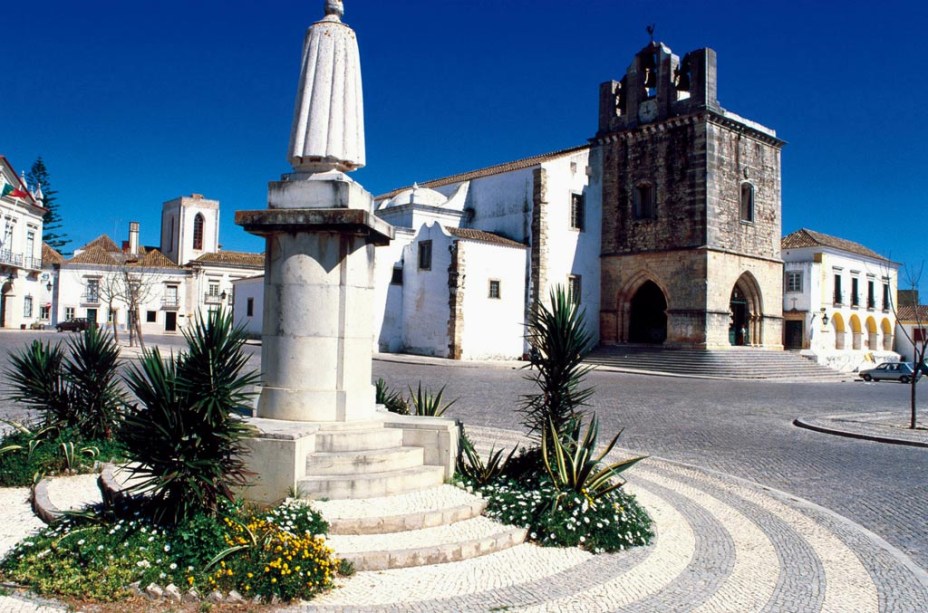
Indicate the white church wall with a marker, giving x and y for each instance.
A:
(572, 251)
(493, 327)
(388, 297)
(425, 295)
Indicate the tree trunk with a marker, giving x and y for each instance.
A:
(138, 329)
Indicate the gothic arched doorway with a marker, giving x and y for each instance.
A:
(648, 317)
(746, 309)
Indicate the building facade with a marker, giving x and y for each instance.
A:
(23, 294)
(838, 300)
(691, 205)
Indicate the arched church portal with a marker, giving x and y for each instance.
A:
(648, 317)
(746, 310)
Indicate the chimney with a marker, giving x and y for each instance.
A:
(133, 238)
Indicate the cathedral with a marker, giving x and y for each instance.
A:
(665, 228)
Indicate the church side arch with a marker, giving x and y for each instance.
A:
(629, 295)
(746, 307)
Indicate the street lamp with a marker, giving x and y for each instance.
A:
(48, 286)
(222, 296)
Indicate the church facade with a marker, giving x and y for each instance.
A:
(665, 228)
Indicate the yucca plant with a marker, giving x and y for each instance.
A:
(560, 341)
(183, 437)
(36, 378)
(470, 464)
(77, 390)
(425, 403)
(572, 465)
(392, 400)
(93, 385)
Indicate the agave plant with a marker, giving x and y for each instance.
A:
(392, 400)
(470, 464)
(559, 342)
(183, 435)
(424, 402)
(575, 467)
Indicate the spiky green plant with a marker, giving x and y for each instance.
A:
(559, 336)
(77, 390)
(392, 400)
(91, 370)
(36, 380)
(573, 465)
(470, 464)
(425, 403)
(183, 436)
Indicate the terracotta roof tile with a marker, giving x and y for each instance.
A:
(483, 237)
(103, 242)
(238, 258)
(50, 256)
(97, 256)
(156, 259)
(908, 314)
(809, 238)
(489, 170)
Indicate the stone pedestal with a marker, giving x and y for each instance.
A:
(318, 293)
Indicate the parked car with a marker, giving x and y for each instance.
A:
(895, 371)
(74, 325)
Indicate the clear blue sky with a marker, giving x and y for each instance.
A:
(134, 103)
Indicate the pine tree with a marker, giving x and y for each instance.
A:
(51, 234)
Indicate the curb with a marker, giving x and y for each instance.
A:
(802, 423)
(42, 505)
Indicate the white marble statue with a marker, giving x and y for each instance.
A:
(328, 121)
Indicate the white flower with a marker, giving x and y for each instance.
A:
(167, 548)
(80, 542)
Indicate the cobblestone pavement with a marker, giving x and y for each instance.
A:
(884, 426)
(863, 524)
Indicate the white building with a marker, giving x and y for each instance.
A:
(911, 329)
(22, 289)
(474, 251)
(193, 276)
(837, 300)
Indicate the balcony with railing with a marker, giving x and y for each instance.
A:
(170, 303)
(20, 260)
(90, 299)
(838, 298)
(210, 298)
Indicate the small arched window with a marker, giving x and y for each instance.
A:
(747, 202)
(198, 231)
(645, 204)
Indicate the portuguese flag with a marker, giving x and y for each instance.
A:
(13, 192)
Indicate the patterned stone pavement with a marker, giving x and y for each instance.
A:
(723, 544)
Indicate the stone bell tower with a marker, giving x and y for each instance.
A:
(691, 210)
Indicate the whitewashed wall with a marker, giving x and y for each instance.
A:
(493, 328)
(425, 295)
(388, 298)
(253, 288)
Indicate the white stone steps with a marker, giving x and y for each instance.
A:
(460, 540)
(366, 439)
(370, 485)
(358, 462)
(435, 506)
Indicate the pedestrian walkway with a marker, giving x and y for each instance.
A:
(884, 427)
(722, 544)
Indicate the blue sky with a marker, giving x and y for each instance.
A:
(134, 103)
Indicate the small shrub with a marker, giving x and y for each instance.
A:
(614, 522)
(425, 403)
(392, 400)
(26, 455)
(471, 467)
(97, 555)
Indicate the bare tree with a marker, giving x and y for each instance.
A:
(917, 336)
(133, 285)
